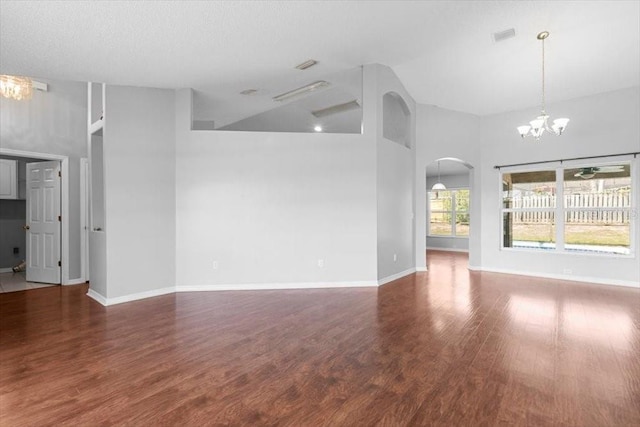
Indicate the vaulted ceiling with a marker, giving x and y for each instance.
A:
(443, 51)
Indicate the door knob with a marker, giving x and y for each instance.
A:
(25, 227)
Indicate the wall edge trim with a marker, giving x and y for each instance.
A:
(97, 297)
(396, 276)
(131, 297)
(571, 278)
(273, 286)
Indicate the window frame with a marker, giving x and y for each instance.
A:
(560, 210)
(453, 212)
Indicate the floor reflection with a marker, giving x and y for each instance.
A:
(574, 340)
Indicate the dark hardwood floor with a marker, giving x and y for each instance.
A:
(448, 347)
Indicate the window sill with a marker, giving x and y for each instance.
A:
(569, 252)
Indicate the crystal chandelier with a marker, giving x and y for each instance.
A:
(538, 126)
(16, 87)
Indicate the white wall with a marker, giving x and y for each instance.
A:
(443, 133)
(395, 186)
(600, 125)
(267, 206)
(263, 208)
(53, 122)
(139, 163)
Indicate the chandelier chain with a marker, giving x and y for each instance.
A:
(543, 98)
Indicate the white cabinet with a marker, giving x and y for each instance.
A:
(8, 179)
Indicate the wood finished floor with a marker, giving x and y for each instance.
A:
(447, 347)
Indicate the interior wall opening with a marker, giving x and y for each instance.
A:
(31, 228)
(449, 216)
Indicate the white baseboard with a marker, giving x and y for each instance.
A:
(227, 287)
(572, 278)
(421, 269)
(430, 248)
(75, 282)
(96, 296)
(273, 286)
(132, 297)
(396, 276)
(6, 270)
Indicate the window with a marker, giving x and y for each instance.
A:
(586, 209)
(528, 215)
(448, 213)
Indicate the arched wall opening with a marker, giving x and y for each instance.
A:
(449, 211)
(396, 119)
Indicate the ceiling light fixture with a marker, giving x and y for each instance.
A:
(318, 128)
(301, 90)
(335, 109)
(438, 185)
(537, 127)
(16, 87)
(306, 64)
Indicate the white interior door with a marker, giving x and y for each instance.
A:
(43, 222)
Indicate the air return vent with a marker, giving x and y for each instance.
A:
(504, 35)
(306, 64)
(301, 90)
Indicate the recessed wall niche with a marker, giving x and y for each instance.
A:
(396, 119)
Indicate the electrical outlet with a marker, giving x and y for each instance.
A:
(321, 263)
(215, 265)
(395, 257)
(567, 271)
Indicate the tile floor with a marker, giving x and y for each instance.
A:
(13, 282)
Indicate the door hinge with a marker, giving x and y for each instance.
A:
(60, 174)
(59, 263)
(59, 217)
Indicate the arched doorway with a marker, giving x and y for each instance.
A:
(449, 210)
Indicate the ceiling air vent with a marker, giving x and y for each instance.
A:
(301, 90)
(306, 64)
(504, 35)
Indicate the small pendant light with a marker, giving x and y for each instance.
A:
(438, 185)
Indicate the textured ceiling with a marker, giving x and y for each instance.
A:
(442, 51)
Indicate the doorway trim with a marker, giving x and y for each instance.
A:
(84, 219)
(64, 187)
